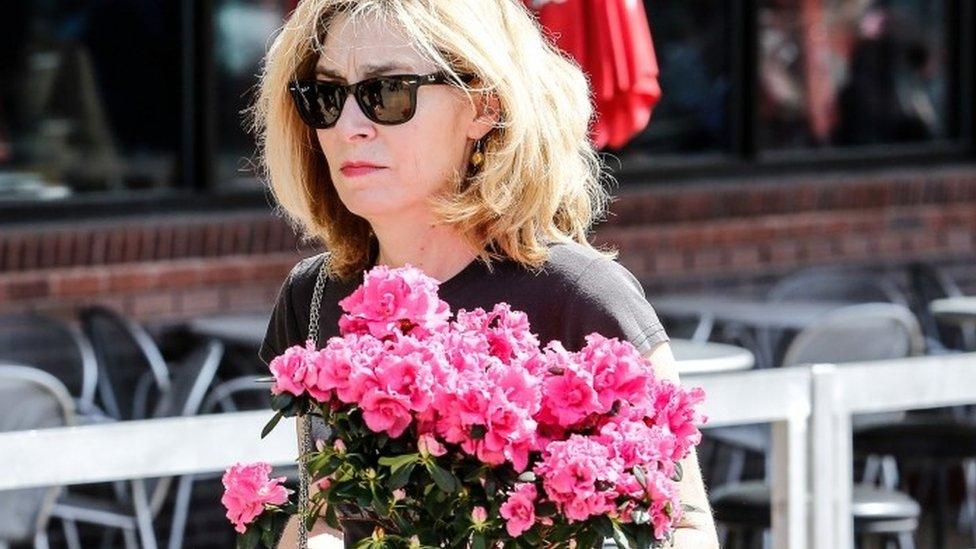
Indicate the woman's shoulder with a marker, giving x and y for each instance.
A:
(584, 266)
(301, 279)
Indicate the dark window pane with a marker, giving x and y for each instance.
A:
(851, 72)
(244, 29)
(89, 96)
(691, 39)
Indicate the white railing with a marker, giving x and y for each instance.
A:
(810, 409)
(842, 391)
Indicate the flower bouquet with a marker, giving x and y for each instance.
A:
(461, 431)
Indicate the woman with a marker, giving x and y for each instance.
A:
(475, 167)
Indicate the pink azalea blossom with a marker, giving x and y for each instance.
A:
(519, 509)
(290, 370)
(394, 301)
(247, 490)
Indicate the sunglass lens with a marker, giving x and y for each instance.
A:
(318, 103)
(387, 100)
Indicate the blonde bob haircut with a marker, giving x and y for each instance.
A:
(541, 180)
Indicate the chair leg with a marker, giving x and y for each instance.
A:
(40, 540)
(967, 514)
(906, 540)
(129, 536)
(71, 537)
(872, 469)
(889, 472)
(181, 509)
(143, 514)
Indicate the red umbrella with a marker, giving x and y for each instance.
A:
(611, 41)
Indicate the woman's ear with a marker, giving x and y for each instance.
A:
(489, 114)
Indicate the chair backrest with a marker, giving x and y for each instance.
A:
(126, 353)
(55, 346)
(928, 284)
(191, 381)
(29, 399)
(239, 394)
(868, 331)
(837, 284)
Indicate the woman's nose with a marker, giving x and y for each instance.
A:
(353, 123)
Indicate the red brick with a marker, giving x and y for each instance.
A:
(182, 275)
(79, 283)
(744, 257)
(223, 273)
(150, 306)
(200, 302)
(28, 287)
(137, 278)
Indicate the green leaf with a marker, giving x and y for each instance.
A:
(603, 526)
(527, 476)
(401, 476)
(271, 424)
(395, 462)
(330, 517)
(380, 504)
(444, 479)
(249, 539)
(619, 537)
(639, 475)
(282, 401)
(644, 537)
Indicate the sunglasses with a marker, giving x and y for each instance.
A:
(387, 100)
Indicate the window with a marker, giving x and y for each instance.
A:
(243, 32)
(842, 73)
(89, 97)
(691, 39)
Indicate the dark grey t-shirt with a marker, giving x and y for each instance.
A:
(577, 292)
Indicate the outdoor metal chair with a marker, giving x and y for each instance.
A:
(30, 399)
(862, 332)
(57, 347)
(235, 395)
(140, 500)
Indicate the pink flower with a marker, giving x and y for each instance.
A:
(290, 370)
(394, 301)
(578, 475)
(247, 490)
(428, 445)
(479, 515)
(675, 408)
(619, 371)
(519, 510)
(345, 365)
(386, 412)
(569, 396)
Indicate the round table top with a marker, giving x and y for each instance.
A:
(954, 310)
(241, 329)
(708, 358)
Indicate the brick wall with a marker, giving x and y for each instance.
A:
(734, 235)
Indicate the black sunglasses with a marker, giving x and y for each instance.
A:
(385, 100)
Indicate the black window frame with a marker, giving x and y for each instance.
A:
(196, 189)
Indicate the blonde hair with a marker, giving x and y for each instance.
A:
(541, 181)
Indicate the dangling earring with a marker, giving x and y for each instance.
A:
(478, 156)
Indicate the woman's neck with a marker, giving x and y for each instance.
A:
(438, 250)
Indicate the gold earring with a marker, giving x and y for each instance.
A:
(478, 156)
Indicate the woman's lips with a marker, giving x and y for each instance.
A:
(356, 171)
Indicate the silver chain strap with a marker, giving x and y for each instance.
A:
(304, 422)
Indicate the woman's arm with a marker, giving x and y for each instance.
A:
(697, 528)
(320, 537)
